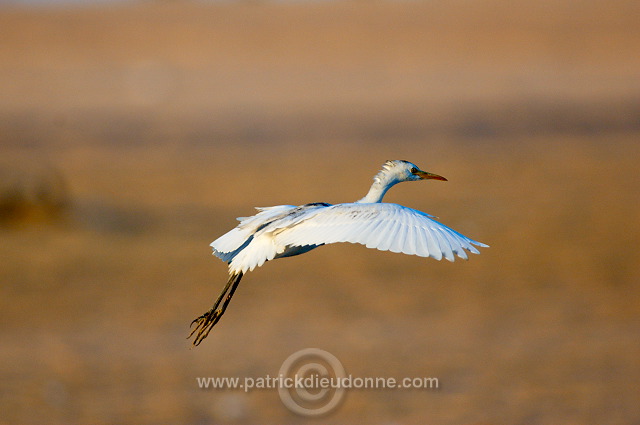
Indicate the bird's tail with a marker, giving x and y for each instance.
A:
(207, 321)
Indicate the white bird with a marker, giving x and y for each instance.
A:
(288, 230)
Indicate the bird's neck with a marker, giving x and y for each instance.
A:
(381, 183)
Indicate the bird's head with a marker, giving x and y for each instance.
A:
(393, 172)
(399, 171)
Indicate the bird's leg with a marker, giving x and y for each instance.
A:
(208, 320)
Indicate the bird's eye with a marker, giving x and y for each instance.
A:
(414, 170)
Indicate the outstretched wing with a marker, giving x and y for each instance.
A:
(384, 226)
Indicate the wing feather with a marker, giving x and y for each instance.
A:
(364, 231)
(456, 243)
(375, 239)
(399, 239)
(384, 226)
(389, 236)
(421, 242)
(432, 242)
(227, 246)
(410, 242)
(445, 245)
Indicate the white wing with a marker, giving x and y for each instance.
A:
(252, 243)
(228, 245)
(384, 226)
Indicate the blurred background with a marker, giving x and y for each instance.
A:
(133, 133)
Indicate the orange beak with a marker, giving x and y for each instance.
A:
(425, 176)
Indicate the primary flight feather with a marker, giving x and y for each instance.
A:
(288, 230)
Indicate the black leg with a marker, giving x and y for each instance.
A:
(208, 320)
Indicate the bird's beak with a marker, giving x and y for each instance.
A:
(425, 176)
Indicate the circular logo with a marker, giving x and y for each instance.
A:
(313, 379)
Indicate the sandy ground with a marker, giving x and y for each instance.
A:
(162, 123)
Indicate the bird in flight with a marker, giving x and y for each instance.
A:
(288, 230)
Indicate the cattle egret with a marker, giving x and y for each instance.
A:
(288, 230)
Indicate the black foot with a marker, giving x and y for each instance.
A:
(204, 324)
